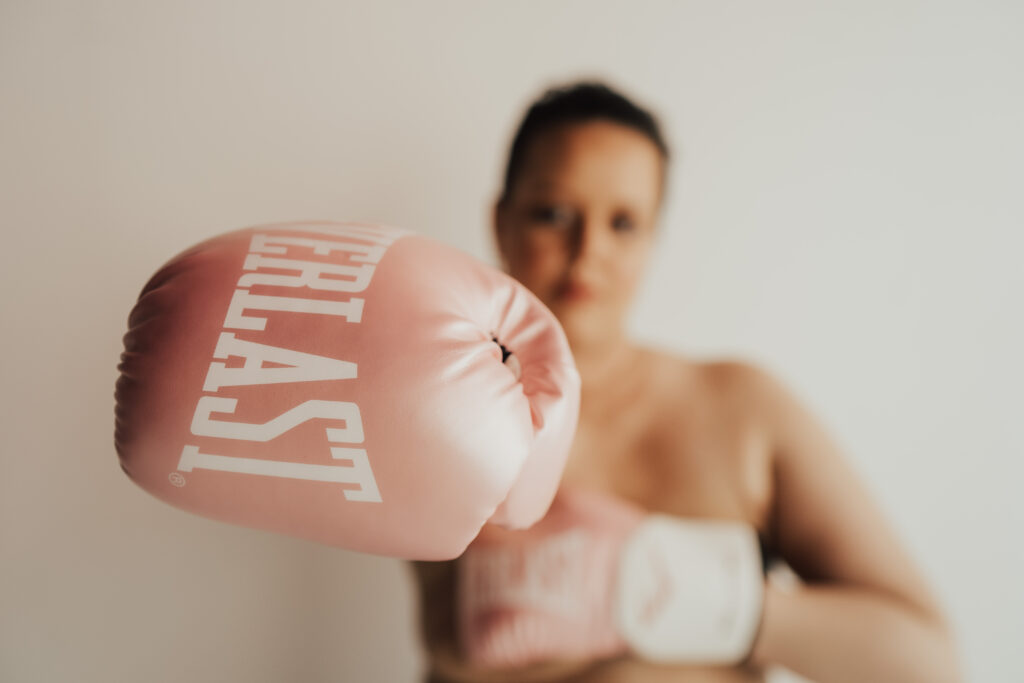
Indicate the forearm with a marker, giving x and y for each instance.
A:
(834, 634)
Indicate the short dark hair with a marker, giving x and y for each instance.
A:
(578, 103)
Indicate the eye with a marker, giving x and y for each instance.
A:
(623, 222)
(553, 215)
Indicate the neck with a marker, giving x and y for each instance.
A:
(602, 362)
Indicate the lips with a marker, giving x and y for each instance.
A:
(576, 291)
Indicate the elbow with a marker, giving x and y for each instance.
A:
(947, 660)
(924, 643)
(934, 659)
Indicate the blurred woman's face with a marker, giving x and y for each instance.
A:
(578, 226)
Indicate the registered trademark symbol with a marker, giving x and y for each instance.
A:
(177, 479)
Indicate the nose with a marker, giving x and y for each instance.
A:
(590, 240)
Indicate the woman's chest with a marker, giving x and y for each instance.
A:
(685, 458)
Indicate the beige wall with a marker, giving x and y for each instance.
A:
(847, 212)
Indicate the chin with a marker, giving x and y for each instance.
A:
(583, 327)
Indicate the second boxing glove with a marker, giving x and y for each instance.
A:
(599, 577)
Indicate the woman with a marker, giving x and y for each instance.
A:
(694, 439)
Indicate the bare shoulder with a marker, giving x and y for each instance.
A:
(738, 384)
(735, 378)
(753, 391)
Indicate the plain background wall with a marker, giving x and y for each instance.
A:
(845, 209)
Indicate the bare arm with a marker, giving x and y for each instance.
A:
(864, 612)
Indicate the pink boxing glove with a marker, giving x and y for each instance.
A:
(352, 384)
(598, 577)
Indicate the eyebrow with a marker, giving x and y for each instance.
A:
(543, 185)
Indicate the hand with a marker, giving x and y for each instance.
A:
(599, 577)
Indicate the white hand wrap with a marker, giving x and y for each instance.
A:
(690, 591)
